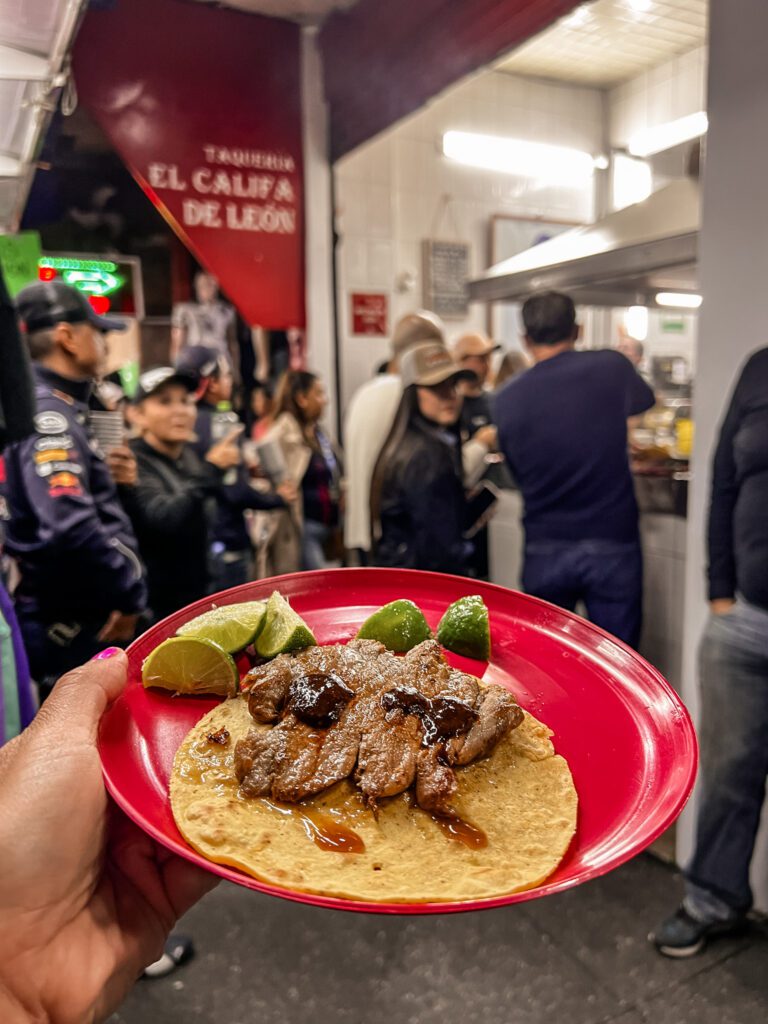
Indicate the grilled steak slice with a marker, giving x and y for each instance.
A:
(498, 714)
(461, 687)
(314, 759)
(357, 710)
(435, 783)
(425, 668)
(268, 686)
(256, 758)
(389, 746)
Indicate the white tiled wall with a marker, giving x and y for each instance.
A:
(666, 93)
(398, 190)
(672, 90)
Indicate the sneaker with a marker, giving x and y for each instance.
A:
(178, 949)
(682, 935)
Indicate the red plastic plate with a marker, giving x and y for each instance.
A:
(627, 738)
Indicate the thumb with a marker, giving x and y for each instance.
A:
(80, 698)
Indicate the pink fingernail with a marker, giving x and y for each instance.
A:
(110, 652)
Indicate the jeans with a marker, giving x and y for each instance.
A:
(733, 738)
(314, 535)
(607, 576)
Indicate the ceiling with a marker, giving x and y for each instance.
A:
(35, 36)
(605, 42)
(294, 10)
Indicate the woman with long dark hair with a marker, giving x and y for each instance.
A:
(418, 504)
(311, 464)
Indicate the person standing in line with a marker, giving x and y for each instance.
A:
(512, 363)
(173, 499)
(473, 351)
(17, 409)
(81, 580)
(311, 466)
(231, 561)
(630, 347)
(733, 678)
(369, 419)
(563, 430)
(418, 505)
(207, 321)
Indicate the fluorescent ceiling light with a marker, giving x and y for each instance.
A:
(636, 322)
(553, 164)
(632, 181)
(679, 300)
(665, 136)
(640, 6)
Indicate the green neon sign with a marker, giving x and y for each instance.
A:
(69, 263)
(93, 282)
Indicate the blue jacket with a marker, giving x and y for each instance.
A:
(73, 542)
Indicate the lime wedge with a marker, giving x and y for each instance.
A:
(283, 630)
(233, 626)
(399, 625)
(190, 664)
(464, 628)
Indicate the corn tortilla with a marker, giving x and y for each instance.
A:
(522, 796)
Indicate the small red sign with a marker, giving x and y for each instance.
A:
(369, 313)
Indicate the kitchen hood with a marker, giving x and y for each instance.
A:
(625, 259)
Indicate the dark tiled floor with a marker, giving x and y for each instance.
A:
(579, 958)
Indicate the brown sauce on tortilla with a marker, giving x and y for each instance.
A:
(462, 832)
(322, 830)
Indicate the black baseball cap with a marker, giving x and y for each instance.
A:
(47, 303)
(201, 361)
(151, 381)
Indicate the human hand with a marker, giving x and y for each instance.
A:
(86, 898)
(287, 491)
(226, 453)
(486, 436)
(121, 463)
(721, 605)
(118, 628)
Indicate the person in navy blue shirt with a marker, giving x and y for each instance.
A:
(563, 430)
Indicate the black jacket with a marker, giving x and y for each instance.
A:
(738, 515)
(171, 507)
(423, 506)
(236, 496)
(67, 529)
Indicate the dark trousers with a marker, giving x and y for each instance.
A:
(733, 738)
(606, 576)
(229, 569)
(55, 646)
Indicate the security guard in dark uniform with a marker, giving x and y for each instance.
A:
(81, 585)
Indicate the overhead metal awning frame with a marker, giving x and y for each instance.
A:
(624, 259)
(31, 72)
